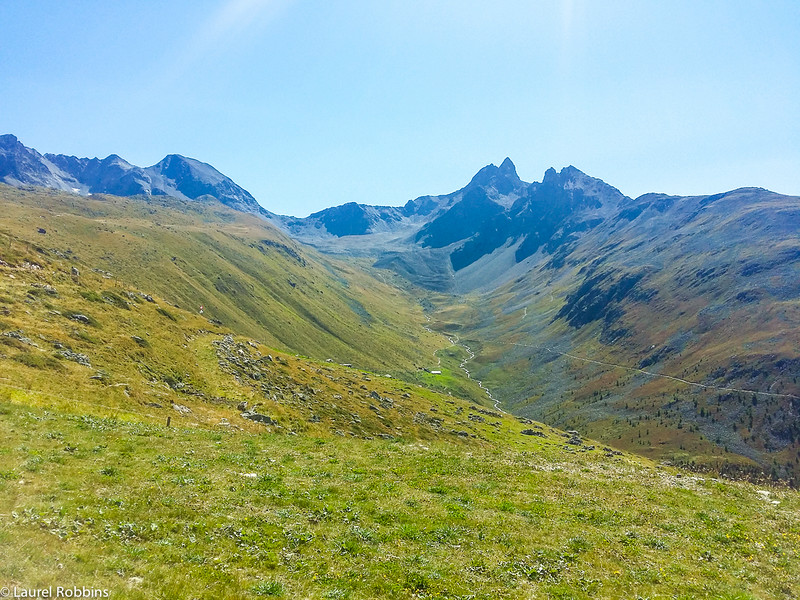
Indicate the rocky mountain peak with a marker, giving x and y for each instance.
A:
(8, 141)
(175, 175)
(497, 181)
(507, 169)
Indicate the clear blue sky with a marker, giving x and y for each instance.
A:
(309, 104)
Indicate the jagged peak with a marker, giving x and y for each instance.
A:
(507, 167)
(569, 173)
(550, 176)
(506, 174)
(571, 170)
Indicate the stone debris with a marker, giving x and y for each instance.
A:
(421, 418)
(19, 335)
(77, 357)
(486, 412)
(533, 432)
(259, 418)
(46, 288)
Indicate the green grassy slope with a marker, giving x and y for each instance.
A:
(147, 511)
(331, 481)
(244, 272)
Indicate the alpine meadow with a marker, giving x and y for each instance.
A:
(514, 390)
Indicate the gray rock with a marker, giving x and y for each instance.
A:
(253, 416)
(18, 335)
(77, 357)
(532, 432)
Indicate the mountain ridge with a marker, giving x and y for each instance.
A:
(175, 176)
(631, 319)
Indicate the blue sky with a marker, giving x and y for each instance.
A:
(309, 104)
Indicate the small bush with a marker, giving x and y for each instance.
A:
(166, 313)
(91, 296)
(117, 301)
(39, 361)
(268, 588)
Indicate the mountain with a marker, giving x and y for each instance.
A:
(243, 271)
(664, 324)
(473, 238)
(20, 165)
(183, 361)
(175, 176)
(151, 450)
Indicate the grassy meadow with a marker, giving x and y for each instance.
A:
(156, 452)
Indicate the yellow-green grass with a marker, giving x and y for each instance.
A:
(148, 511)
(239, 268)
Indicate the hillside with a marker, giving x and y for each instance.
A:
(239, 268)
(667, 325)
(150, 450)
(191, 512)
(330, 481)
(671, 331)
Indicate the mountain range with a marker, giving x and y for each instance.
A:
(662, 324)
(474, 238)
(175, 176)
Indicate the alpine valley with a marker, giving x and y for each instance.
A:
(665, 325)
(514, 390)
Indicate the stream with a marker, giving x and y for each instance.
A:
(454, 341)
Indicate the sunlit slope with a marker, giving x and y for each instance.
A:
(152, 452)
(88, 344)
(672, 331)
(212, 512)
(241, 270)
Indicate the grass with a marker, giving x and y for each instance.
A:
(188, 512)
(126, 463)
(243, 271)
